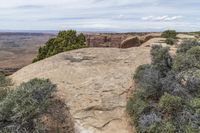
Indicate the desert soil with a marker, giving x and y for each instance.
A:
(18, 49)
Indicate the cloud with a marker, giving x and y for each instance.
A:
(112, 15)
(30, 7)
(162, 18)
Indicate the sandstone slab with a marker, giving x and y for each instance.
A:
(93, 82)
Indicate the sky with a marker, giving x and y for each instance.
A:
(100, 15)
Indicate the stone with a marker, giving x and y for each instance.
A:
(131, 42)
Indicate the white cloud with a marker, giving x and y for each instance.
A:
(161, 18)
(112, 15)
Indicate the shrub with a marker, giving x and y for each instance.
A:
(190, 79)
(140, 70)
(171, 85)
(135, 106)
(146, 120)
(3, 93)
(194, 56)
(148, 78)
(170, 41)
(169, 34)
(4, 81)
(188, 60)
(185, 118)
(159, 127)
(195, 103)
(168, 127)
(161, 59)
(190, 129)
(168, 90)
(65, 41)
(165, 127)
(21, 107)
(170, 103)
(186, 45)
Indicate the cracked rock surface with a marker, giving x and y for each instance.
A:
(93, 82)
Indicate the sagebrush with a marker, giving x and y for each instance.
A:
(167, 98)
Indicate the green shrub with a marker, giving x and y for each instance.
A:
(186, 45)
(4, 81)
(161, 59)
(136, 106)
(65, 41)
(4, 89)
(168, 127)
(159, 127)
(169, 34)
(140, 70)
(194, 56)
(167, 93)
(170, 41)
(188, 60)
(21, 107)
(165, 127)
(170, 103)
(195, 103)
(190, 129)
(3, 93)
(190, 80)
(149, 82)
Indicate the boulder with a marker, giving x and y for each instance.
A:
(131, 42)
(147, 37)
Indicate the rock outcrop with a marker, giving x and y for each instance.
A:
(116, 40)
(147, 37)
(104, 40)
(93, 82)
(131, 42)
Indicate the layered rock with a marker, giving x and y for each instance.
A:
(119, 40)
(104, 40)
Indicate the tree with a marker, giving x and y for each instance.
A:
(65, 41)
(169, 34)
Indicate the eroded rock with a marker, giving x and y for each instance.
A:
(131, 42)
(116, 40)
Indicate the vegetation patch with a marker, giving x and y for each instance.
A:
(170, 41)
(4, 81)
(21, 108)
(169, 34)
(167, 98)
(65, 41)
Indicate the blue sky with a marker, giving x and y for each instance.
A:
(100, 15)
